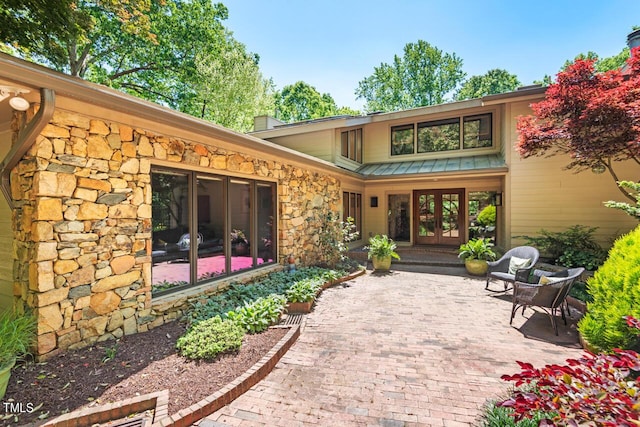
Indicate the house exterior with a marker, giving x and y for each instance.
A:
(426, 173)
(117, 213)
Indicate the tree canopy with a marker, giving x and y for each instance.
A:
(592, 117)
(158, 50)
(493, 82)
(424, 75)
(301, 101)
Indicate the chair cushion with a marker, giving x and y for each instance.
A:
(545, 280)
(516, 263)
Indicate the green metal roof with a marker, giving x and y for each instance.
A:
(434, 166)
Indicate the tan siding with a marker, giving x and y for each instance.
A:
(543, 195)
(317, 144)
(377, 136)
(6, 239)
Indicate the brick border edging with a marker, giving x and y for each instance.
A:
(158, 400)
(207, 406)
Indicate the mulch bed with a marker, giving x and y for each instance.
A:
(139, 364)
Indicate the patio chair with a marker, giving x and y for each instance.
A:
(514, 265)
(548, 293)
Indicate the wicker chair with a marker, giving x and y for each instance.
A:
(549, 296)
(500, 269)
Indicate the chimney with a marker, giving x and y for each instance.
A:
(633, 39)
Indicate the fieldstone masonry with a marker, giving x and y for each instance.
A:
(82, 225)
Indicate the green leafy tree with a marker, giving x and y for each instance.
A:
(231, 90)
(301, 101)
(601, 65)
(173, 52)
(633, 188)
(493, 82)
(424, 75)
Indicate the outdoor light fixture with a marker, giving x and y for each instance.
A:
(18, 103)
(497, 199)
(598, 168)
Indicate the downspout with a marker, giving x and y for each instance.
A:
(26, 138)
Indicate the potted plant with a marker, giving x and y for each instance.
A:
(381, 250)
(301, 294)
(476, 253)
(17, 334)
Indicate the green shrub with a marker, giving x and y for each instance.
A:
(260, 314)
(496, 416)
(574, 247)
(238, 294)
(304, 290)
(487, 216)
(210, 338)
(615, 289)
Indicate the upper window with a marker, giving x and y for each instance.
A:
(402, 140)
(443, 135)
(477, 131)
(351, 144)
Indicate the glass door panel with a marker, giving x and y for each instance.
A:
(438, 216)
(398, 217)
(211, 226)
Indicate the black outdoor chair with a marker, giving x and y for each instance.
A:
(549, 293)
(500, 269)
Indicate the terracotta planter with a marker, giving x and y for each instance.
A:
(476, 267)
(5, 374)
(299, 307)
(381, 263)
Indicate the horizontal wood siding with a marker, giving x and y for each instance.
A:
(317, 144)
(6, 239)
(543, 195)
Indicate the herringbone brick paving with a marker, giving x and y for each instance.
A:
(403, 349)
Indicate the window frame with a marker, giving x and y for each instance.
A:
(255, 229)
(353, 201)
(351, 144)
(462, 146)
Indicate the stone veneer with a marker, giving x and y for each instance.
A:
(82, 225)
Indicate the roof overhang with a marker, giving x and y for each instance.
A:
(71, 89)
(493, 164)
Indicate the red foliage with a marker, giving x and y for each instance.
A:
(601, 388)
(593, 117)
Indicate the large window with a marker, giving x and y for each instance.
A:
(208, 226)
(402, 140)
(352, 207)
(351, 144)
(443, 135)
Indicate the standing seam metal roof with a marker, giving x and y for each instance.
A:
(453, 164)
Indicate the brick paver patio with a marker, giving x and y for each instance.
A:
(404, 349)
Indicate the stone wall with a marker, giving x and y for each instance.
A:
(82, 224)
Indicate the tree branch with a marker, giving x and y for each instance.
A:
(612, 172)
(149, 67)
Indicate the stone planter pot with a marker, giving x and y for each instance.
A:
(299, 307)
(5, 374)
(382, 263)
(476, 267)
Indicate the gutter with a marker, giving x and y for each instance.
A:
(26, 138)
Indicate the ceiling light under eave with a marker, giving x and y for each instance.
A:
(18, 103)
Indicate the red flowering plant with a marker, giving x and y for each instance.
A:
(596, 389)
(592, 117)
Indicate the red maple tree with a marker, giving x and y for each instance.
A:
(593, 117)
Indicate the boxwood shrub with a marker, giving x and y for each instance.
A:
(615, 288)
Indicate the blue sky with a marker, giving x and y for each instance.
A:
(332, 45)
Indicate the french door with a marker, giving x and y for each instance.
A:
(439, 217)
